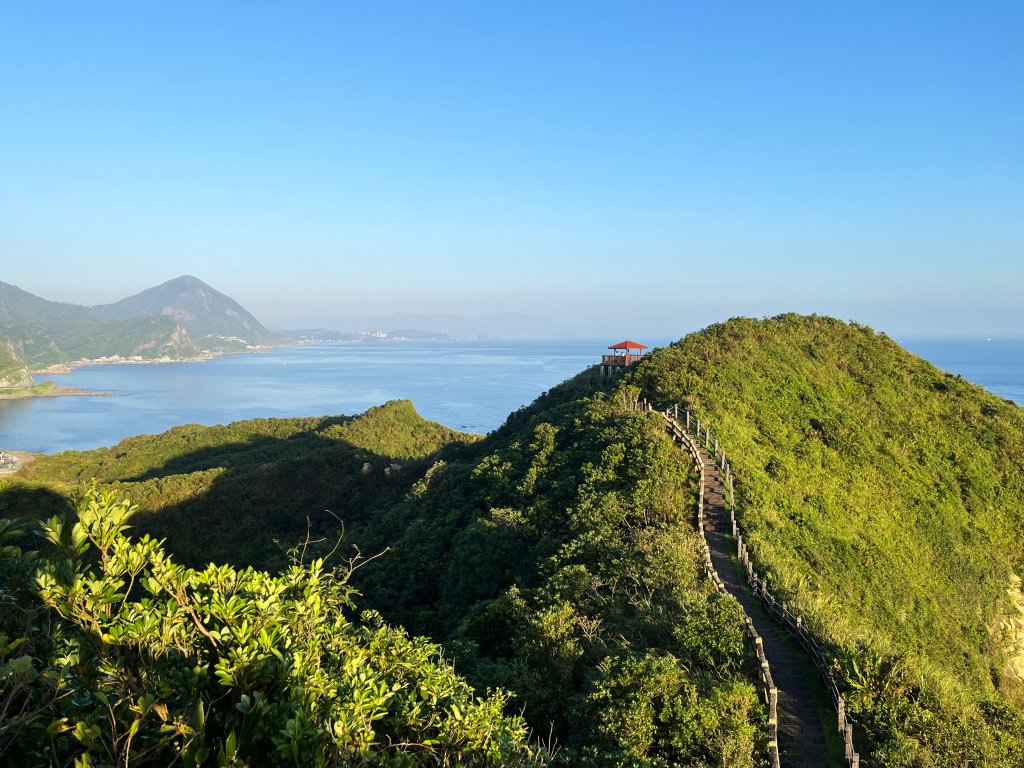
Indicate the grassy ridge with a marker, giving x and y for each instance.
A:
(884, 497)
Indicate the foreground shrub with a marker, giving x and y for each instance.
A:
(131, 659)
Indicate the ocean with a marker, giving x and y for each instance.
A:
(467, 385)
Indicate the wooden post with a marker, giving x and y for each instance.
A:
(687, 421)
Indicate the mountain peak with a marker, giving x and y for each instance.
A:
(189, 281)
(204, 311)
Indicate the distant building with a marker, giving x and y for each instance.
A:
(622, 356)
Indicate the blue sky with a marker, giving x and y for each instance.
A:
(629, 167)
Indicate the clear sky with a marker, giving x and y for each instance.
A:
(632, 167)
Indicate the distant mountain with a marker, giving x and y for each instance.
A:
(203, 311)
(180, 319)
(509, 325)
(47, 332)
(23, 308)
(401, 334)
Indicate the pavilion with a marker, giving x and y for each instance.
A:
(622, 356)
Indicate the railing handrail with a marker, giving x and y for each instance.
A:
(771, 692)
(792, 622)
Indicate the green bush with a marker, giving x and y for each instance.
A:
(146, 662)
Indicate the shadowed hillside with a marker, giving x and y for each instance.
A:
(245, 492)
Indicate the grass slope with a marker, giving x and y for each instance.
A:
(884, 497)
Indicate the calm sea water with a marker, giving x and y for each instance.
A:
(467, 385)
(470, 386)
(995, 364)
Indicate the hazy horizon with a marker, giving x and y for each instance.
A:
(625, 170)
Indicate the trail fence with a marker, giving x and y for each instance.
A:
(691, 433)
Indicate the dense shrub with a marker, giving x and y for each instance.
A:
(131, 659)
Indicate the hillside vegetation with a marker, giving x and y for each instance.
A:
(885, 498)
(113, 654)
(253, 485)
(556, 559)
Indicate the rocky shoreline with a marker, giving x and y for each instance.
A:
(12, 461)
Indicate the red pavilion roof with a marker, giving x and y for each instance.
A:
(628, 345)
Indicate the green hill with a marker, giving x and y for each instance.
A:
(49, 332)
(885, 498)
(182, 318)
(557, 557)
(243, 492)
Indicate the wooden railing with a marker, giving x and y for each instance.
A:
(768, 688)
(620, 360)
(691, 432)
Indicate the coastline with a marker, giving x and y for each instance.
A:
(54, 391)
(60, 369)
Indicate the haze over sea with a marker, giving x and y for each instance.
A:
(467, 385)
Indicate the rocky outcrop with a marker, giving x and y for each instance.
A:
(13, 371)
(1012, 631)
